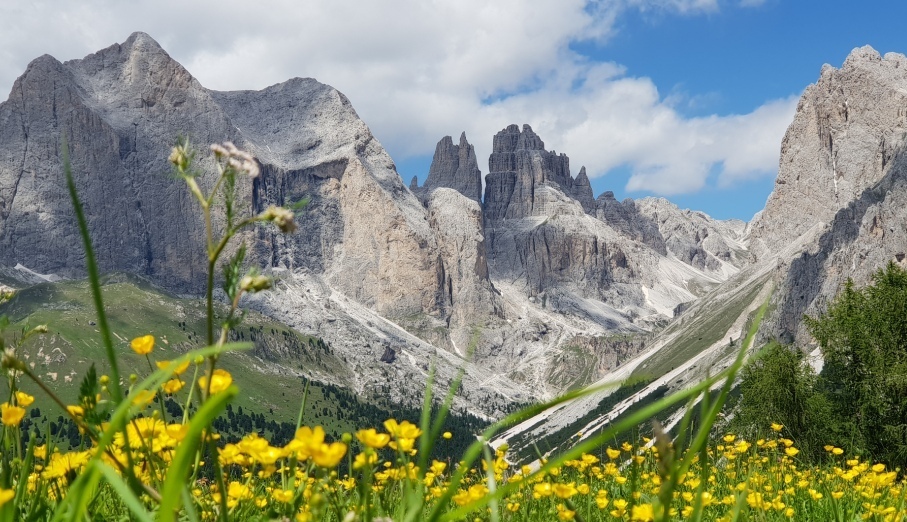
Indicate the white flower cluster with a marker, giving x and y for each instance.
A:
(239, 160)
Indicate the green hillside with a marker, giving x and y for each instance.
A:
(272, 376)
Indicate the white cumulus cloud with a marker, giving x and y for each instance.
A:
(417, 70)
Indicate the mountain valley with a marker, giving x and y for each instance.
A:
(522, 277)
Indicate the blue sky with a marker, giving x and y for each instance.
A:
(731, 61)
(687, 99)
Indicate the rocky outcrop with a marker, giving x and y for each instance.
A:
(455, 167)
(624, 216)
(546, 232)
(846, 131)
(538, 233)
(695, 238)
(518, 170)
(457, 222)
(582, 190)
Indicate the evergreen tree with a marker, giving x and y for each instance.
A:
(863, 337)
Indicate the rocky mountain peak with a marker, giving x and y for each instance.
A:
(862, 55)
(518, 165)
(846, 131)
(582, 190)
(512, 139)
(142, 43)
(456, 167)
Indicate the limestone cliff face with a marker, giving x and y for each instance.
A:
(122, 108)
(457, 222)
(519, 169)
(113, 108)
(846, 130)
(538, 233)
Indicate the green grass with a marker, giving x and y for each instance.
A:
(706, 328)
(135, 307)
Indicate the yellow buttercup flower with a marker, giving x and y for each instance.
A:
(328, 455)
(565, 514)
(620, 508)
(168, 365)
(474, 493)
(403, 430)
(438, 467)
(447, 435)
(220, 381)
(142, 345)
(283, 495)
(23, 399)
(11, 415)
(173, 385)
(543, 489)
(372, 438)
(564, 490)
(6, 495)
(365, 460)
(643, 513)
(143, 398)
(777, 427)
(236, 492)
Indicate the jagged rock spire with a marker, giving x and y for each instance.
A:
(456, 167)
(582, 190)
(518, 165)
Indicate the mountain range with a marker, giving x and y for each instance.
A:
(522, 277)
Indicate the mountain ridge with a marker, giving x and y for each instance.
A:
(509, 284)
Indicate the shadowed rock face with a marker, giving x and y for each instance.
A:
(111, 107)
(547, 233)
(518, 166)
(453, 166)
(582, 190)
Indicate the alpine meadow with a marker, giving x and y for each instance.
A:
(227, 305)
